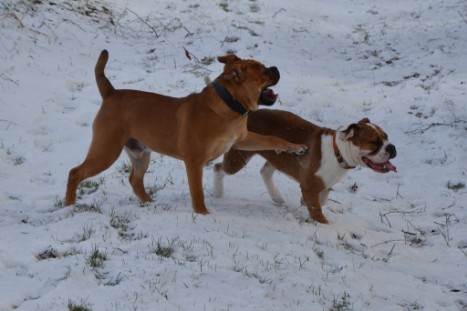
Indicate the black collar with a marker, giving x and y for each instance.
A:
(228, 99)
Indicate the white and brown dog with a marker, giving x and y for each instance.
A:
(332, 153)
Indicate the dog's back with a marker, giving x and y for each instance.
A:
(278, 123)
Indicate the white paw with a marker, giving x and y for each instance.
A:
(278, 200)
(218, 191)
(276, 195)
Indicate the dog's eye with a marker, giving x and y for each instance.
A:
(377, 144)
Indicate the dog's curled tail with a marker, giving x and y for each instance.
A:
(103, 84)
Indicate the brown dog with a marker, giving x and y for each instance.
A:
(332, 153)
(196, 129)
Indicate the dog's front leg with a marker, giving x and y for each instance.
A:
(312, 199)
(314, 208)
(194, 171)
(256, 142)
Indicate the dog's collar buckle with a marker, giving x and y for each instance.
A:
(339, 157)
(228, 99)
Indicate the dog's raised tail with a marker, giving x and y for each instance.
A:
(103, 84)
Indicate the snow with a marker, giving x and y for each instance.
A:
(398, 242)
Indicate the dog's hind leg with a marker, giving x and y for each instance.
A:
(312, 197)
(266, 173)
(101, 155)
(139, 156)
(234, 161)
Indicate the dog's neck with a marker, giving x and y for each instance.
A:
(340, 159)
(228, 99)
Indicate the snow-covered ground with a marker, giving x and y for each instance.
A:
(395, 242)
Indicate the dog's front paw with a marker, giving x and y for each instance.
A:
(319, 217)
(298, 150)
(278, 199)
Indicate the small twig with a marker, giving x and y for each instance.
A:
(462, 16)
(398, 195)
(445, 234)
(464, 252)
(5, 77)
(190, 55)
(392, 248)
(9, 123)
(281, 10)
(144, 22)
(423, 130)
(389, 241)
(189, 33)
(381, 215)
(15, 17)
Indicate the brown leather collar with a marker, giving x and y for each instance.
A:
(338, 154)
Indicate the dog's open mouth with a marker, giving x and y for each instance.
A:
(380, 167)
(267, 97)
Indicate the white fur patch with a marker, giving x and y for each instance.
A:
(266, 173)
(218, 183)
(329, 170)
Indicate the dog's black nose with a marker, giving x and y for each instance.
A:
(391, 149)
(274, 72)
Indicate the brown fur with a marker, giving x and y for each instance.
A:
(196, 129)
(294, 129)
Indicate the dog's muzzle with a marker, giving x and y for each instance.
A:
(268, 97)
(274, 74)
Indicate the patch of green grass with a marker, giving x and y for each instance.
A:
(82, 306)
(90, 186)
(94, 207)
(254, 8)
(231, 39)
(342, 304)
(207, 60)
(161, 249)
(58, 202)
(96, 259)
(225, 6)
(155, 188)
(319, 253)
(19, 160)
(455, 186)
(88, 231)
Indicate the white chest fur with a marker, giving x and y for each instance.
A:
(329, 171)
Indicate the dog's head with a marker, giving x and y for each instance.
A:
(369, 146)
(249, 81)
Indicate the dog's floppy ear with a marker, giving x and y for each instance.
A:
(349, 133)
(235, 73)
(228, 58)
(232, 70)
(365, 120)
(351, 130)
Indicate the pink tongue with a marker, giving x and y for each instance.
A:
(388, 165)
(269, 93)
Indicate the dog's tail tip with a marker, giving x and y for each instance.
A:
(104, 85)
(102, 61)
(105, 53)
